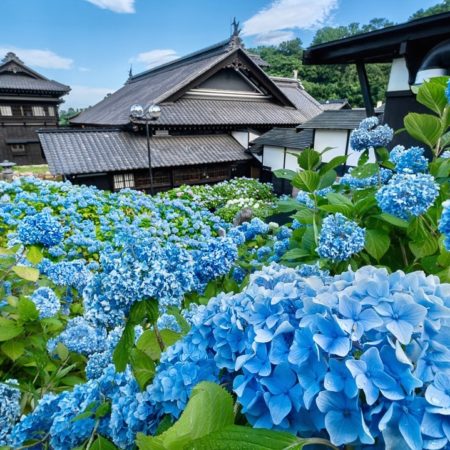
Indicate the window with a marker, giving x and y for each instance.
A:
(18, 149)
(123, 180)
(38, 111)
(51, 111)
(5, 110)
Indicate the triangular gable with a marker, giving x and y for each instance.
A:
(239, 61)
(16, 66)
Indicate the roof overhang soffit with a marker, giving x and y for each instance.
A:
(240, 61)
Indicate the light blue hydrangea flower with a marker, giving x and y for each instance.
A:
(370, 134)
(9, 409)
(41, 228)
(409, 160)
(444, 223)
(362, 183)
(340, 238)
(46, 301)
(408, 195)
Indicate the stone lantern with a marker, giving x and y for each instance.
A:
(7, 172)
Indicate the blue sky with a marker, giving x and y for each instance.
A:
(90, 44)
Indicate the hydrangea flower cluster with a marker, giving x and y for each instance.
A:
(46, 301)
(9, 409)
(362, 183)
(446, 154)
(41, 228)
(444, 223)
(409, 160)
(304, 198)
(447, 91)
(370, 134)
(340, 238)
(408, 195)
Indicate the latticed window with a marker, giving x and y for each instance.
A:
(5, 110)
(124, 180)
(51, 111)
(18, 149)
(38, 111)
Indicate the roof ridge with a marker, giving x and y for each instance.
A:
(205, 52)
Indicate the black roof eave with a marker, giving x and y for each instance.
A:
(380, 45)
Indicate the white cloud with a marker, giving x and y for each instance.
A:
(285, 15)
(274, 37)
(84, 69)
(156, 57)
(39, 58)
(84, 96)
(118, 6)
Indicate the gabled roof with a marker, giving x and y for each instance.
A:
(283, 137)
(15, 76)
(342, 119)
(84, 151)
(167, 84)
(335, 104)
(380, 45)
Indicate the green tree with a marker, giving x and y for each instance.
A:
(442, 7)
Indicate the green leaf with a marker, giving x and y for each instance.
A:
(27, 310)
(184, 325)
(333, 163)
(102, 410)
(169, 337)
(304, 215)
(62, 351)
(238, 437)
(365, 204)
(143, 367)
(365, 171)
(9, 329)
(377, 243)
(383, 154)
(121, 353)
(432, 95)
(27, 273)
(295, 253)
(424, 248)
(327, 179)
(363, 158)
(14, 349)
(423, 127)
(287, 205)
(306, 180)
(209, 409)
(34, 255)
(149, 345)
(394, 220)
(285, 174)
(102, 443)
(308, 159)
(145, 309)
(343, 209)
(339, 199)
(417, 230)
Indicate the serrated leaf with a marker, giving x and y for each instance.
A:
(142, 366)
(295, 253)
(343, 209)
(13, 348)
(377, 243)
(423, 127)
(339, 199)
(9, 329)
(287, 205)
(365, 171)
(34, 255)
(102, 443)
(121, 353)
(432, 95)
(424, 248)
(26, 273)
(306, 181)
(394, 220)
(103, 409)
(333, 163)
(285, 174)
(62, 351)
(327, 179)
(308, 159)
(209, 409)
(304, 215)
(149, 345)
(145, 309)
(27, 310)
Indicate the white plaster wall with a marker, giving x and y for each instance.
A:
(399, 77)
(273, 157)
(241, 137)
(291, 159)
(330, 138)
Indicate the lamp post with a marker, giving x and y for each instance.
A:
(151, 114)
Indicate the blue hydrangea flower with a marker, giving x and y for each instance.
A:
(340, 238)
(408, 195)
(46, 301)
(444, 223)
(168, 322)
(9, 409)
(362, 183)
(409, 160)
(370, 134)
(304, 198)
(41, 228)
(445, 155)
(447, 91)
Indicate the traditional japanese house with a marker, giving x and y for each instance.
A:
(28, 101)
(213, 102)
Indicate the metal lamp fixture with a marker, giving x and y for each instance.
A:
(153, 112)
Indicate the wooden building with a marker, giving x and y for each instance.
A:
(417, 50)
(213, 102)
(28, 101)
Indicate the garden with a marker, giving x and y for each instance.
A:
(129, 321)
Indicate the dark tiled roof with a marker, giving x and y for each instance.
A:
(16, 76)
(335, 105)
(21, 82)
(283, 137)
(342, 119)
(296, 93)
(90, 151)
(258, 60)
(228, 112)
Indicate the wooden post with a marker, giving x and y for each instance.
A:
(364, 82)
